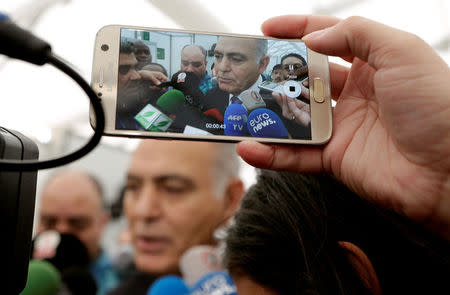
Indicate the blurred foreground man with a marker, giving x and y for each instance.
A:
(177, 195)
(72, 203)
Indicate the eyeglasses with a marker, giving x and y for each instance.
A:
(195, 64)
(124, 69)
(293, 67)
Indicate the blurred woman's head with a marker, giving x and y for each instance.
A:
(281, 240)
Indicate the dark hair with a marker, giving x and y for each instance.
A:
(285, 236)
(127, 47)
(281, 239)
(276, 67)
(296, 55)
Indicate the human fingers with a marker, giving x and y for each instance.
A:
(299, 111)
(281, 157)
(296, 26)
(302, 105)
(305, 91)
(281, 102)
(338, 77)
(379, 45)
(155, 77)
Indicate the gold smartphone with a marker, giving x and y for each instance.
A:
(181, 84)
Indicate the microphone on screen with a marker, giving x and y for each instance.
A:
(214, 113)
(171, 102)
(265, 123)
(251, 99)
(188, 83)
(168, 285)
(235, 120)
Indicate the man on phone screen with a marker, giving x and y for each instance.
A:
(239, 64)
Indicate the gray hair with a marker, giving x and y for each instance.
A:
(226, 166)
(201, 48)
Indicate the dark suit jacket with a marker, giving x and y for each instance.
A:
(219, 99)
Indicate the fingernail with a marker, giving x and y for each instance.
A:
(314, 35)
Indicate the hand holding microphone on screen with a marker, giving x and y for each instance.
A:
(293, 108)
(155, 78)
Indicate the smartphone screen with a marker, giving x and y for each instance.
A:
(205, 84)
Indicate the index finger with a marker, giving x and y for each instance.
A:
(296, 26)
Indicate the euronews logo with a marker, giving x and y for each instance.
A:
(261, 121)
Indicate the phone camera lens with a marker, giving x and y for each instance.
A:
(105, 47)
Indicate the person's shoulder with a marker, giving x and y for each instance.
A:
(138, 283)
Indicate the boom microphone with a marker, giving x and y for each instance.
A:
(168, 285)
(251, 99)
(199, 261)
(235, 120)
(265, 123)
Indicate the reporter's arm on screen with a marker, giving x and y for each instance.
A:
(391, 127)
(293, 109)
(153, 76)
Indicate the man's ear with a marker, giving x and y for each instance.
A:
(362, 265)
(263, 63)
(233, 196)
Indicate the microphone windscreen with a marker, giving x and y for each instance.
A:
(61, 250)
(252, 100)
(43, 279)
(198, 261)
(168, 285)
(265, 123)
(215, 283)
(171, 101)
(79, 281)
(188, 83)
(235, 120)
(214, 113)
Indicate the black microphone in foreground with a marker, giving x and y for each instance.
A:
(69, 255)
